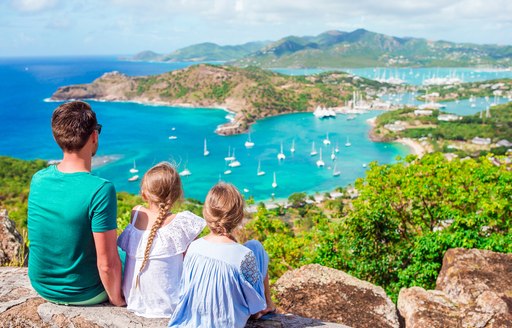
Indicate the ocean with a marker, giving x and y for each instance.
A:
(139, 134)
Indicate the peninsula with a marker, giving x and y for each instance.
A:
(437, 131)
(251, 93)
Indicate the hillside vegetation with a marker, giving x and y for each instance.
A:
(396, 232)
(202, 52)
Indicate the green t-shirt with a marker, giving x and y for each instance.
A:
(64, 209)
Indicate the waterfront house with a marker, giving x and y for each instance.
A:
(448, 117)
(395, 127)
(422, 112)
(481, 141)
(504, 143)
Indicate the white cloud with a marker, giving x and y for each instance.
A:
(33, 5)
(165, 25)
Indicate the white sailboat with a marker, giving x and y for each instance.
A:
(133, 178)
(173, 137)
(292, 150)
(313, 150)
(326, 140)
(249, 144)
(230, 157)
(348, 144)
(337, 149)
(206, 152)
(335, 171)
(134, 168)
(281, 155)
(274, 183)
(234, 163)
(185, 173)
(320, 162)
(333, 155)
(260, 172)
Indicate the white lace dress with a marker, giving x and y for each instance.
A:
(157, 294)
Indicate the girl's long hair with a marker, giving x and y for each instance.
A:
(223, 209)
(160, 185)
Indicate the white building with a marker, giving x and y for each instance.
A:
(395, 127)
(481, 141)
(448, 117)
(422, 112)
(504, 143)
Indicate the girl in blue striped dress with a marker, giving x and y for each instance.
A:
(223, 282)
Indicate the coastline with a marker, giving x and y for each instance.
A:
(414, 146)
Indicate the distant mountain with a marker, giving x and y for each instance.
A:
(359, 48)
(147, 56)
(362, 48)
(204, 52)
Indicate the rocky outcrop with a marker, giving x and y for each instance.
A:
(110, 86)
(12, 247)
(474, 289)
(20, 306)
(327, 294)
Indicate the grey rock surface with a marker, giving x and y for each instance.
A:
(474, 289)
(20, 306)
(323, 293)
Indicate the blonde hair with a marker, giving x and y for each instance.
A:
(161, 185)
(223, 209)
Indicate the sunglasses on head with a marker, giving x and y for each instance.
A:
(98, 128)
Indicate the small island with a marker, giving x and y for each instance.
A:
(250, 93)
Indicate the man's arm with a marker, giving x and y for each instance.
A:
(109, 265)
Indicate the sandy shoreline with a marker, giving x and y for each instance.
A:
(415, 146)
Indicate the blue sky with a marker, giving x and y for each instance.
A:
(97, 27)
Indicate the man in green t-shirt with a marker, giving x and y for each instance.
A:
(73, 256)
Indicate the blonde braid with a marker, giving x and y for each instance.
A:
(223, 209)
(163, 210)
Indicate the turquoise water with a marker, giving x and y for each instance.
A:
(134, 132)
(141, 133)
(462, 107)
(414, 76)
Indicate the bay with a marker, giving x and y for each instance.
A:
(140, 133)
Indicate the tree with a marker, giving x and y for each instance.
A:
(297, 199)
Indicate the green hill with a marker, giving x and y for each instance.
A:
(359, 48)
(147, 56)
(252, 93)
(203, 52)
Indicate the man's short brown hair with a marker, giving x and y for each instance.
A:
(72, 125)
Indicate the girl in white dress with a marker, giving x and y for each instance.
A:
(155, 242)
